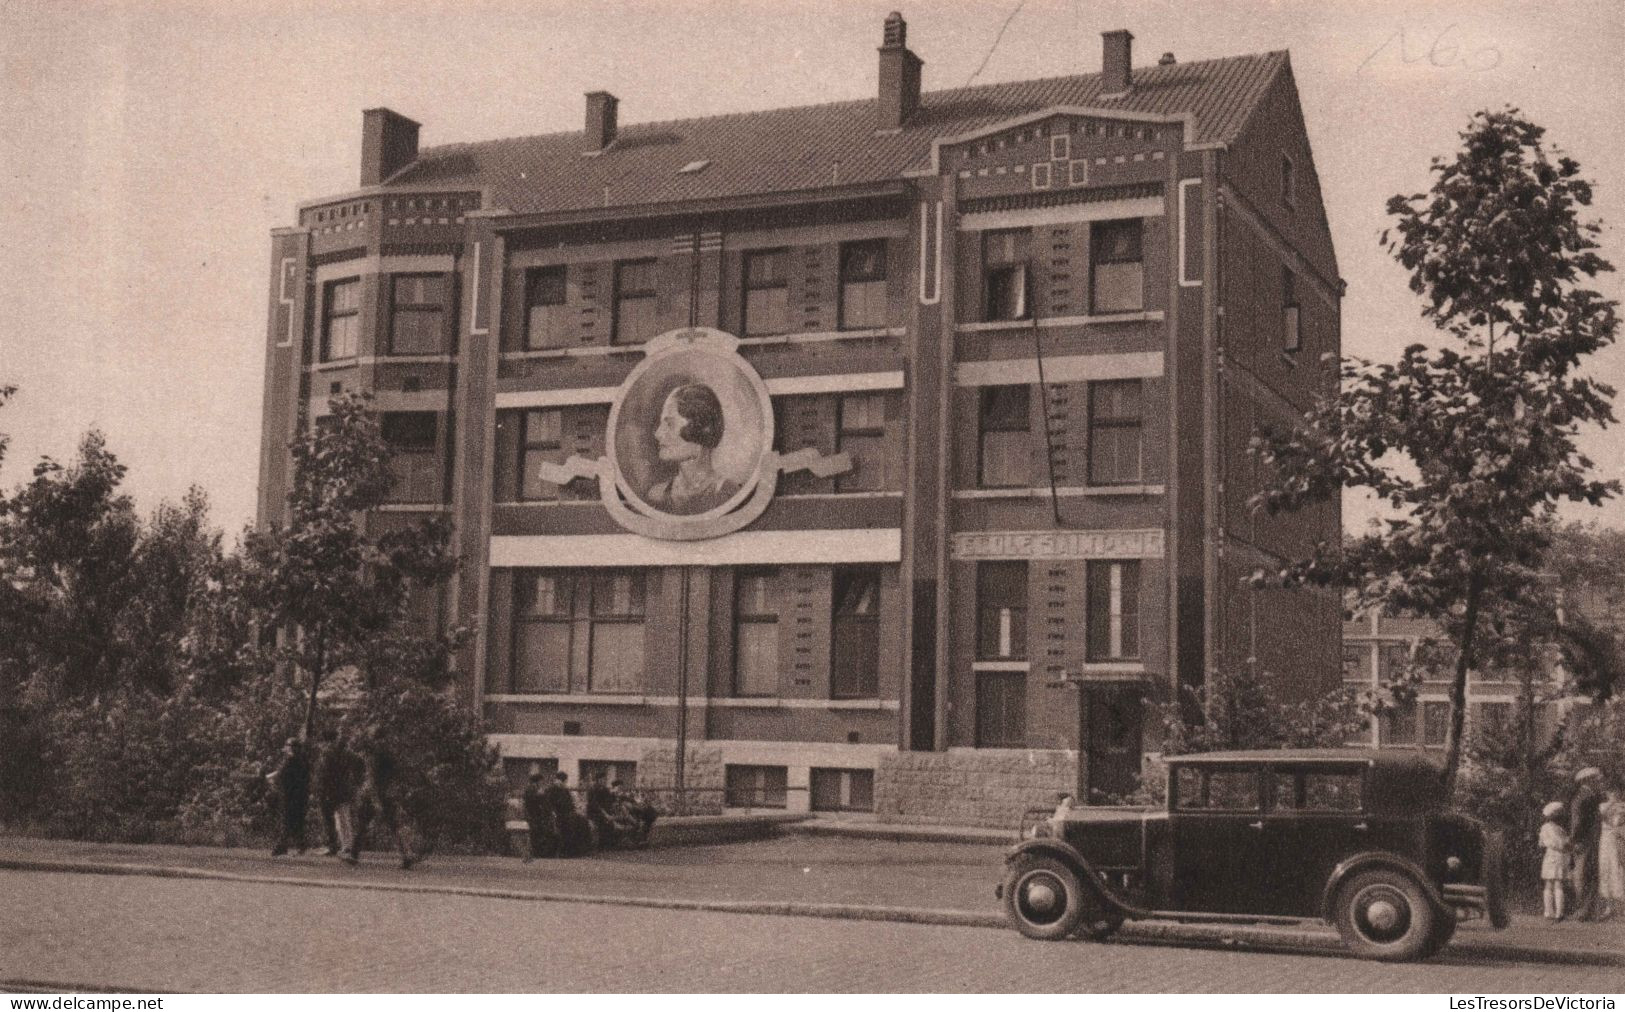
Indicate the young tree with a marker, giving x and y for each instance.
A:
(1472, 444)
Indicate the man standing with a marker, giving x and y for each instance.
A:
(291, 779)
(1585, 832)
(544, 837)
(569, 824)
(601, 811)
(336, 777)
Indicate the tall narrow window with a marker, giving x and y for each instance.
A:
(1118, 268)
(862, 435)
(547, 323)
(1001, 709)
(617, 631)
(341, 320)
(1005, 444)
(543, 610)
(1005, 257)
(1435, 722)
(1397, 725)
(1001, 611)
(636, 302)
(1112, 606)
(1291, 336)
(1115, 432)
(419, 476)
(767, 292)
(1289, 182)
(855, 633)
(863, 284)
(756, 633)
(541, 442)
(417, 321)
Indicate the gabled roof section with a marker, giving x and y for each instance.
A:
(819, 146)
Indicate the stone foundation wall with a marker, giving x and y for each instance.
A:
(960, 789)
(702, 776)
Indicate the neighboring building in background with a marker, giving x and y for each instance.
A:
(843, 456)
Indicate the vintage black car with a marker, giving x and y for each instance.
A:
(1360, 838)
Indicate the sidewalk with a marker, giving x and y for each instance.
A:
(830, 870)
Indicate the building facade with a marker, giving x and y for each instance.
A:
(886, 455)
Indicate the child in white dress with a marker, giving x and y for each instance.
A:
(1554, 869)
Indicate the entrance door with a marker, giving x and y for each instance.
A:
(1113, 718)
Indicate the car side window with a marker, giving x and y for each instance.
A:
(1331, 792)
(1216, 790)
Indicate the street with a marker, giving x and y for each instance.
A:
(66, 930)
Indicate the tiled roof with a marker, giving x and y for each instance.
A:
(812, 147)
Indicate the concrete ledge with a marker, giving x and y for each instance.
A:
(690, 830)
(1243, 938)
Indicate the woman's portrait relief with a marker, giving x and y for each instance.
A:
(690, 433)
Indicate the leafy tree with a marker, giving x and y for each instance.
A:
(1243, 710)
(1472, 444)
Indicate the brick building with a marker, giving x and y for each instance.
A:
(966, 481)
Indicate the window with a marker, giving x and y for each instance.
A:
(547, 323)
(1317, 792)
(1289, 182)
(417, 320)
(1112, 603)
(416, 466)
(1356, 663)
(1001, 709)
(1116, 267)
(855, 634)
(617, 631)
(1001, 611)
(541, 442)
(1397, 726)
(1216, 790)
(756, 633)
(1005, 444)
(1393, 661)
(843, 790)
(1435, 722)
(1114, 432)
(861, 432)
(557, 614)
(543, 629)
(767, 293)
(755, 786)
(1291, 335)
(863, 284)
(636, 315)
(1005, 256)
(341, 320)
(625, 770)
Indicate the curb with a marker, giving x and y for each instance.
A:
(896, 834)
(1135, 933)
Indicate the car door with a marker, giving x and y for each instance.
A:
(1321, 816)
(1216, 825)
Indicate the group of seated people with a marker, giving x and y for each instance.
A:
(615, 817)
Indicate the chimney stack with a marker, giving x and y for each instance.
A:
(389, 143)
(899, 75)
(1116, 63)
(601, 106)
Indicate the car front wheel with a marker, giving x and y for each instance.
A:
(1044, 898)
(1385, 915)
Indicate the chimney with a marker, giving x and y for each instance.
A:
(389, 143)
(899, 76)
(601, 106)
(1116, 63)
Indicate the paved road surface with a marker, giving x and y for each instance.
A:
(166, 934)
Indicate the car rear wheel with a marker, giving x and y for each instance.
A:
(1044, 898)
(1385, 915)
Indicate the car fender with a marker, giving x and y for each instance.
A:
(1375, 859)
(1070, 856)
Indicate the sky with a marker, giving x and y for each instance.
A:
(147, 150)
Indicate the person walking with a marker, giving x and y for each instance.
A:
(1554, 866)
(291, 779)
(381, 793)
(1611, 856)
(539, 819)
(336, 777)
(1585, 832)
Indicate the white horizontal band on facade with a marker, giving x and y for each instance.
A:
(1060, 214)
(392, 400)
(1050, 322)
(802, 754)
(782, 386)
(742, 548)
(1099, 544)
(1060, 491)
(436, 263)
(729, 702)
(1060, 369)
